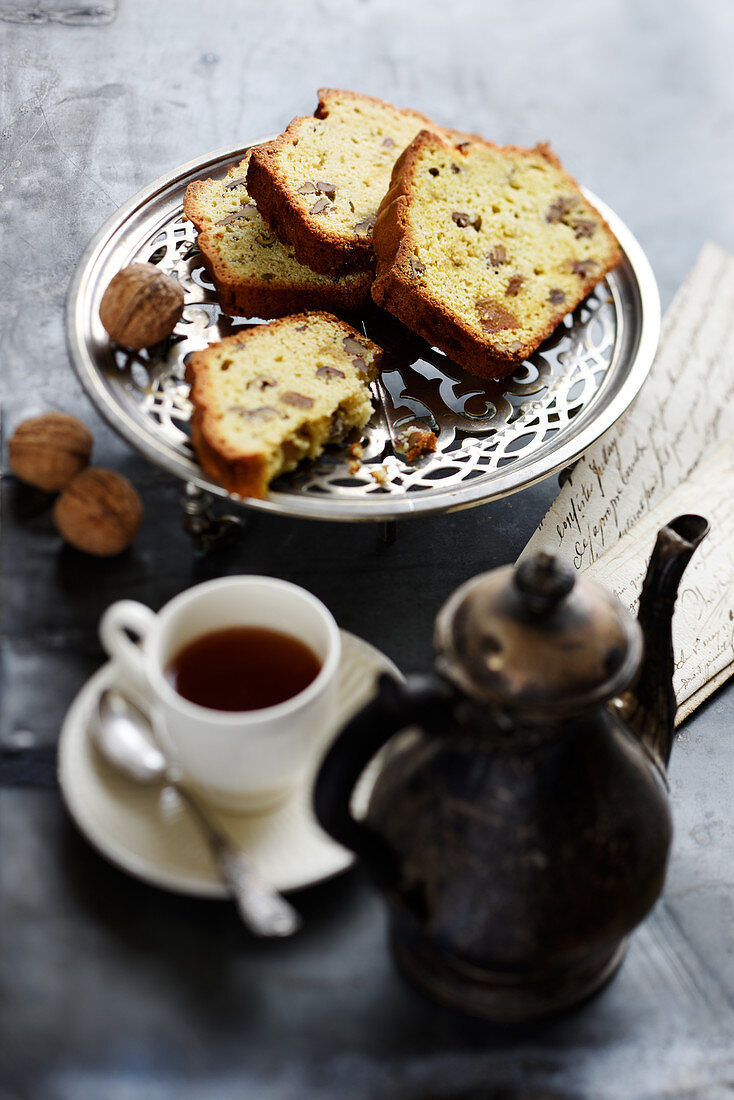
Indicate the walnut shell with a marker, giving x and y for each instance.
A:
(141, 306)
(98, 512)
(49, 450)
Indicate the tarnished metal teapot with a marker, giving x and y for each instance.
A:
(520, 826)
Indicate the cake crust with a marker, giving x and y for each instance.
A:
(324, 248)
(313, 400)
(404, 285)
(254, 274)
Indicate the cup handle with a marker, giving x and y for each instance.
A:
(118, 619)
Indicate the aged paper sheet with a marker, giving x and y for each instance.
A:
(672, 452)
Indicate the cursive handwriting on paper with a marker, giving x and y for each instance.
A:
(652, 466)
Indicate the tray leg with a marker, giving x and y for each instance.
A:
(205, 529)
(388, 531)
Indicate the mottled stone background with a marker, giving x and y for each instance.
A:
(110, 990)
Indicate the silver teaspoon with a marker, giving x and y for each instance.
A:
(124, 737)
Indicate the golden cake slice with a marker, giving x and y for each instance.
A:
(320, 183)
(254, 274)
(483, 249)
(275, 394)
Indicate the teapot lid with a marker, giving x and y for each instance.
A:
(537, 638)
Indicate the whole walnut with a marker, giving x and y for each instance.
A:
(98, 512)
(141, 306)
(49, 450)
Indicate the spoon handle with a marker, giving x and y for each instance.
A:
(262, 909)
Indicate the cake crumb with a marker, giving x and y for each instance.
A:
(356, 450)
(415, 442)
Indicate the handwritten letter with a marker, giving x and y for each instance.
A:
(650, 468)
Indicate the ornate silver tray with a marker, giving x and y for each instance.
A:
(493, 438)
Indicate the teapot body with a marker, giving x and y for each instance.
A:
(522, 861)
(521, 829)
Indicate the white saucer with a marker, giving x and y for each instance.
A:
(148, 832)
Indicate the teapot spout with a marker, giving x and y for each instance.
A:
(649, 708)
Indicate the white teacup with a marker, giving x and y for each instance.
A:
(241, 760)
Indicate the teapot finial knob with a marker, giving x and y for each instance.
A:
(544, 580)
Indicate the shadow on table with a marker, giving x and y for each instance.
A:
(200, 946)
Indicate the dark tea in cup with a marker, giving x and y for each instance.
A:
(259, 656)
(242, 668)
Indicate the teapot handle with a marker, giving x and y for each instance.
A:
(420, 700)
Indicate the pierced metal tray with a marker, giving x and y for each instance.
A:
(493, 438)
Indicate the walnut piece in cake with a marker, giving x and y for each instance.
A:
(484, 262)
(269, 397)
(320, 183)
(254, 274)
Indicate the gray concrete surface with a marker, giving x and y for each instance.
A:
(110, 990)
